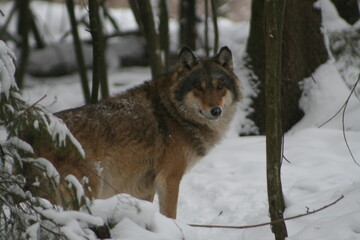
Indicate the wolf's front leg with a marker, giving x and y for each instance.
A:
(168, 190)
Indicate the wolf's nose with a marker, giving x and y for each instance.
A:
(216, 112)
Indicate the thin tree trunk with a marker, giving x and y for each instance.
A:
(23, 29)
(274, 15)
(216, 30)
(187, 19)
(108, 16)
(99, 64)
(78, 51)
(35, 30)
(135, 9)
(104, 79)
(164, 33)
(206, 28)
(4, 26)
(152, 39)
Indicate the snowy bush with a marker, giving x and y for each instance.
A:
(22, 214)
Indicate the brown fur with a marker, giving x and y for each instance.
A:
(143, 140)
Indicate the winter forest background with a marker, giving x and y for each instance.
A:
(47, 65)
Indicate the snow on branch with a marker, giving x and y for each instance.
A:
(7, 69)
(16, 115)
(22, 214)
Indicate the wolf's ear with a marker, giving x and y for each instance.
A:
(186, 58)
(224, 58)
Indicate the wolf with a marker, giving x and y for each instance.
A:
(143, 141)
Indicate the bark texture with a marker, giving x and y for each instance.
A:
(188, 23)
(23, 31)
(274, 15)
(303, 50)
(152, 38)
(99, 61)
(78, 50)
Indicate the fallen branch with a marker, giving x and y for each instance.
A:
(269, 223)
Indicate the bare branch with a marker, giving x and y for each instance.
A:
(343, 108)
(26, 110)
(343, 123)
(270, 223)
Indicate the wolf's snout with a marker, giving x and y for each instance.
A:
(216, 112)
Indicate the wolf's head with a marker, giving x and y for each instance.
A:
(206, 88)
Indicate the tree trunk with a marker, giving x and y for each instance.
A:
(78, 51)
(23, 30)
(187, 19)
(206, 28)
(348, 10)
(274, 14)
(35, 30)
(164, 33)
(303, 51)
(152, 39)
(215, 25)
(99, 63)
(135, 10)
(108, 16)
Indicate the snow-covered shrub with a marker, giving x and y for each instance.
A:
(344, 45)
(23, 215)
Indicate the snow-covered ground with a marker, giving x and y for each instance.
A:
(228, 187)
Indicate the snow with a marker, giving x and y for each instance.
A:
(74, 183)
(228, 187)
(47, 166)
(330, 16)
(320, 89)
(32, 231)
(22, 145)
(7, 69)
(59, 132)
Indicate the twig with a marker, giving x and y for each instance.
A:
(285, 158)
(321, 125)
(269, 223)
(343, 123)
(344, 105)
(312, 77)
(182, 232)
(343, 108)
(26, 110)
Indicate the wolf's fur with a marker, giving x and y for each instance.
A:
(142, 141)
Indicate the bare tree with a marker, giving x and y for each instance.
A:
(152, 38)
(206, 28)
(164, 33)
(187, 20)
(274, 15)
(78, 51)
(215, 25)
(99, 61)
(23, 30)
